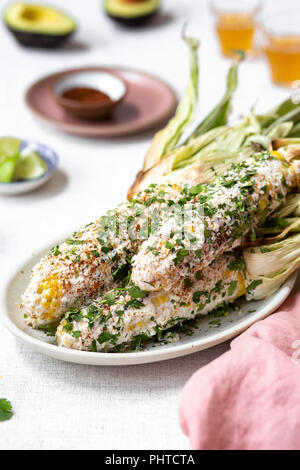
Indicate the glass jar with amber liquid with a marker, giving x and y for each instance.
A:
(236, 25)
(282, 47)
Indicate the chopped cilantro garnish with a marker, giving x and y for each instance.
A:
(76, 334)
(220, 311)
(5, 409)
(188, 283)
(136, 293)
(237, 265)
(105, 337)
(169, 246)
(134, 303)
(106, 249)
(121, 272)
(209, 210)
(92, 309)
(195, 190)
(232, 287)
(180, 255)
(196, 296)
(74, 314)
(110, 298)
(253, 285)
(265, 249)
(55, 251)
(140, 340)
(49, 329)
(70, 241)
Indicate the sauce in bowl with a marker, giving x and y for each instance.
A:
(89, 94)
(86, 95)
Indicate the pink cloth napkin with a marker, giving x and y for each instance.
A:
(249, 398)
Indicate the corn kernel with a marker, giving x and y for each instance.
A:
(160, 299)
(276, 154)
(262, 204)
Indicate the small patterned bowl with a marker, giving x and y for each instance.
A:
(24, 186)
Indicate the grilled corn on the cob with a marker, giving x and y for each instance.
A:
(221, 214)
(93, 259)
(129, 316)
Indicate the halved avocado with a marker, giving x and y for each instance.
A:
(37, 25)
(132, 12)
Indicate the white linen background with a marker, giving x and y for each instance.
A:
(67, 406)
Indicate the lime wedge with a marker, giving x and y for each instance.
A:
(7, 168)
(9, 146)
(30, 166)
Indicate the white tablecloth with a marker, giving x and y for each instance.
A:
(65, 406)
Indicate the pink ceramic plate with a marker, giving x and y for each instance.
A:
(148, 102)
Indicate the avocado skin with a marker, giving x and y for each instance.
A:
(134, 21)
(40, 40)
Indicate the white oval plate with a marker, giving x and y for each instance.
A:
(204, 337)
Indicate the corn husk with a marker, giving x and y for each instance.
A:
(166, 139)
(279, 127)
(163, 158)
(270, 265)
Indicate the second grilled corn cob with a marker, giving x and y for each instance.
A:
(220, 215)
(128, 317)
(94, 258)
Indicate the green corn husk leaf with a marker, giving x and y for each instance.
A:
(295, 132)
(214, 151)
(233, 144)
(219, 115)
(269, 266)
(278, 115)
(277, 225)
(229, 143)
(281, 130)
(293, 115)
(258, 143)
(204, 157)
(291, 207)
(203, 172)
(166, 168)
(166, 139)
(284, 221)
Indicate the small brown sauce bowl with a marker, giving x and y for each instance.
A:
(90, 95)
